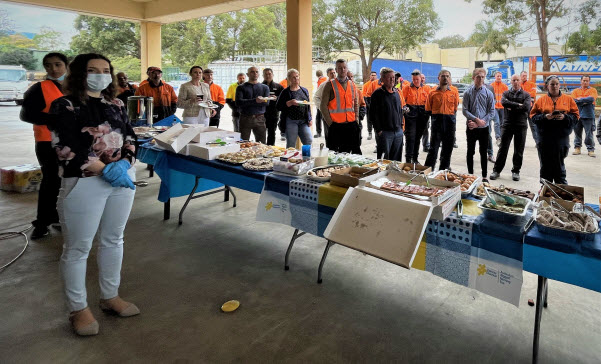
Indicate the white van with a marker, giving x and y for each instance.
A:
(13, 83)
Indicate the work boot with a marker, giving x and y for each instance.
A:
(515, 176)
(576, 151)
(39, 232)
(283, 137)
(369, 136)
(317, 135)
(491, 159)
(494, 175)
(591, 153)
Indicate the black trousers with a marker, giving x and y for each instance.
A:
(552, 155)
(426, 135)
(370, 127)
(344, 137)
(318, 122)
(479, 135)
(214, 122)
(414, 129)
(518, 134)
(49, 186)
(442, 135)
(271, 123)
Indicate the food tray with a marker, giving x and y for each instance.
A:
(267, 164)
(469, 191)
(322, 179)
(564, 233)
(295, 169)
(505, 217)
(453, 188)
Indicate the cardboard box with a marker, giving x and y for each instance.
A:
(396, 176)
(22, 178)
(567, 204)
(208, 134)
(342, 177)
(176, 138)
(204, 151)
(418, 167)
(443, 210)
(386, 226)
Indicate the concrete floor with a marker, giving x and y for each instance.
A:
(366, 310)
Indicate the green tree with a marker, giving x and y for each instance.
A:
(450, 41)
(588, 37)
(523, 14)
(17, 56)
(375, 26)
(48, 39)
(186, 43)
(259, 32)
(224, 30)
(17, 41)
(129, 65)
(489, 39)
(109, 37)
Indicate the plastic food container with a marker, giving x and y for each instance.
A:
(502, 216)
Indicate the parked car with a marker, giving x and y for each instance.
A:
(13, 83)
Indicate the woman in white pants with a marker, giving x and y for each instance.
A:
(95, 144)
(191, 95)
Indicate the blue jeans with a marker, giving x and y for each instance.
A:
(391, 144)
(588, 124)
(297, 128)
(499, 115)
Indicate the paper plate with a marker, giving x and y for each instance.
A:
(230, 306)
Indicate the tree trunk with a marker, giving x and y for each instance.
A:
(541, 27)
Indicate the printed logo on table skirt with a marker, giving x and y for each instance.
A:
(270, 205)
(481, 269)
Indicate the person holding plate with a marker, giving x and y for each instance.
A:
(195, 98)
(295, 111)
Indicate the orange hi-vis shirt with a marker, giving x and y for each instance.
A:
(342, 106)
(530, 87)
(369, 87)
(580, 92)
(361, 98)
(217, 94)
(321, 80)
(545, 105)
(416, 95)
(51, 93)
(162, 95)
(284, 83)
(499, 88)
(442, 102)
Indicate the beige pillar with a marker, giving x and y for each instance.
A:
(150, 50)
(299, 40)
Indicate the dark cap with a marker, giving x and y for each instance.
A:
(153, 69)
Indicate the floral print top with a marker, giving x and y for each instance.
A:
(82, 134)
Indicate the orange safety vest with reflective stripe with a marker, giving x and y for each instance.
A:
(499, 88)
(51, 93)
(321, 80)
(342, 106)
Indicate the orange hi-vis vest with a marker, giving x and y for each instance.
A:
(342, 106)
(51, 93)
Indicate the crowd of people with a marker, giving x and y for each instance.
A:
(86, 146)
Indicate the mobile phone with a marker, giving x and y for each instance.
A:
(556, 112)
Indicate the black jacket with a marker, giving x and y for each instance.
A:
(515, 114)
(34, 103)
(272, 112)
(386, 110)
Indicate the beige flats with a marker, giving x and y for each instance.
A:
(83, 322)
(119, 307)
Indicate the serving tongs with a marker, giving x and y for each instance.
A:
(416, 175)
(550, 185)
(509, 200)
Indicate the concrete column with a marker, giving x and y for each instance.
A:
(150, 50)
(299, 40)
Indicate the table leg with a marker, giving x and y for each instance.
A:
(181, 212)
(295, 236)
(167, 210)
(540, 298)
(323, 260)
(226, 198)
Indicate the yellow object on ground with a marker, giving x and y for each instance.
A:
(230, 306)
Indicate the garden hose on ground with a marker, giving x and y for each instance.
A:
(13, 234)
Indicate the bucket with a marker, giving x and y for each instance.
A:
(320, 155)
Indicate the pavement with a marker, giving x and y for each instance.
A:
(367, 310)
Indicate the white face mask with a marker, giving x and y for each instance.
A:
(61, 78)
(98, 81)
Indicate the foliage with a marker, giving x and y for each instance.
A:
(6, 24)
(186, 43)
(451, 41)
(489, 39)
(374, 27)
(109, 37)
(129, 65)
(587, 40)
(525, 15)
(47, 39)
(17, 41)
(17, 56)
